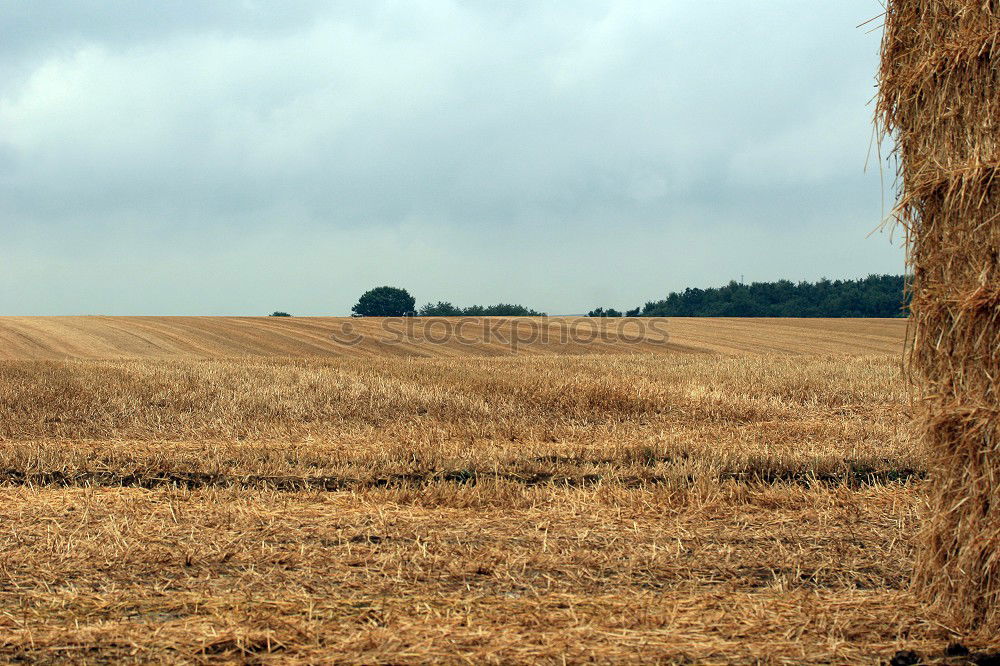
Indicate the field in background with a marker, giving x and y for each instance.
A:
(626, 507)
(30, 338)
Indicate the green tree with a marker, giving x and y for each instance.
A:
(278, 313)
(440, 309)
(385, 302)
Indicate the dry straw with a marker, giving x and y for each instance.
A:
(940, 100)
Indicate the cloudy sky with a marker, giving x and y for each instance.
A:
(242, 156)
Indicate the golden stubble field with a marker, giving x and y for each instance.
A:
(730, 496)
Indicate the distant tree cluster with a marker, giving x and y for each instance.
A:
(611, 312)
(444, 309)
(873, 296)
(396, 302)
(279, 314)
(601, 312)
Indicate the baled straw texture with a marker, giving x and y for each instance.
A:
(939, 98)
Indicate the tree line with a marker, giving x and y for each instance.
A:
(445, 309)
(396, 302)
(873, 296)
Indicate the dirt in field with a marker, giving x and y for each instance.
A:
(955, 654)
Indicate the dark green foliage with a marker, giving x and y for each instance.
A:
(508, 310)
(443, 309)
(440, 309)
(385, 302)
(601, 312)
(873, 296)
(278, 313)
(634, 312)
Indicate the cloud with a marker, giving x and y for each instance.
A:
(160, 129)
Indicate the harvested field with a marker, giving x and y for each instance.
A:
(656, 506)
(33, 338)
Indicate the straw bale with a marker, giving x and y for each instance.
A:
(940, 101)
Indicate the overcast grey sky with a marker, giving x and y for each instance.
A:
(242, 156)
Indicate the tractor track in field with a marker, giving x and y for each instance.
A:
(851, 477)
